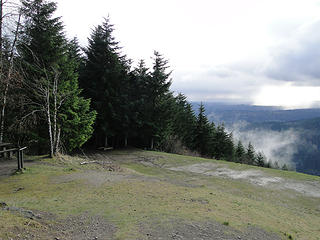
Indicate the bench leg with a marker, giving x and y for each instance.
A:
(21, 159)
(5, 154)
(18, 160)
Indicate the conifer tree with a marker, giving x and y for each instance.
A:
(184, 121)
(104, 79)
(223, 144)
(240, 153)
(160, 99)
(275, 165)
(260, 159)
(202, 133)
(285, 167)
(51, 81)
(141, 120)
(250, 154)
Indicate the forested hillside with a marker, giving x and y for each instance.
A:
(302, 125)
(232, 113)
(307, 153)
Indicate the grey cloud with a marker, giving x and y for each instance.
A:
(225, 84)
(298, 59)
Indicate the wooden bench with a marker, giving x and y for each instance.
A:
(3, 147)
(9, 152)
(105, 148)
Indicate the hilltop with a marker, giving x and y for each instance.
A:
(135, 194)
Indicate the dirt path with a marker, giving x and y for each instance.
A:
(183, 230)
(7, 167)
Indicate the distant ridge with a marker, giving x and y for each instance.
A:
(229, 114)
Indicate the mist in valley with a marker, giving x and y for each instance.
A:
(277, 146)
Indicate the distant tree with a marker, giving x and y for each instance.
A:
(260, 159)
(202, 133)
(250, 154)
(223, 147)
(275, 165)
(285, 167)
(240, 153)
(268, 164)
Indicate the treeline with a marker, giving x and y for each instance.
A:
(57, 96)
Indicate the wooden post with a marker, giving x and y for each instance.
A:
(21, 158)
(4, 154)
(18, 159)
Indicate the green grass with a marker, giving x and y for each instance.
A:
(159, 194)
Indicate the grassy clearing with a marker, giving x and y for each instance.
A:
(156, 193)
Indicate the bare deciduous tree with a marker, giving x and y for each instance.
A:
(47, 100)
(7, 60)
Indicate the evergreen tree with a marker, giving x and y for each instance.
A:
(160, 99)
(51, 82)
(104, 79)
(76, 118)
(250, 155)
(184, 121)
(285, 167)
(260, 159)
(224, 147)
(268, 164)
(202, 133)
(240, 153)
(141, 120)
(275, 165)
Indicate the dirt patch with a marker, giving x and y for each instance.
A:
(91, 177)
(83, 227)
(311, 189)
(43, 225)
(181, 230)
(130, 157)
(7, 167)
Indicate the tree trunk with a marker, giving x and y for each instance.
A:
(49, 119)
(55, 112)
(50, 133)
(57, 147)
(126, 141)
(3, 109)
(106, 142)
(151, 143)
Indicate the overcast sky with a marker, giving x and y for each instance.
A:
(264, 52)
